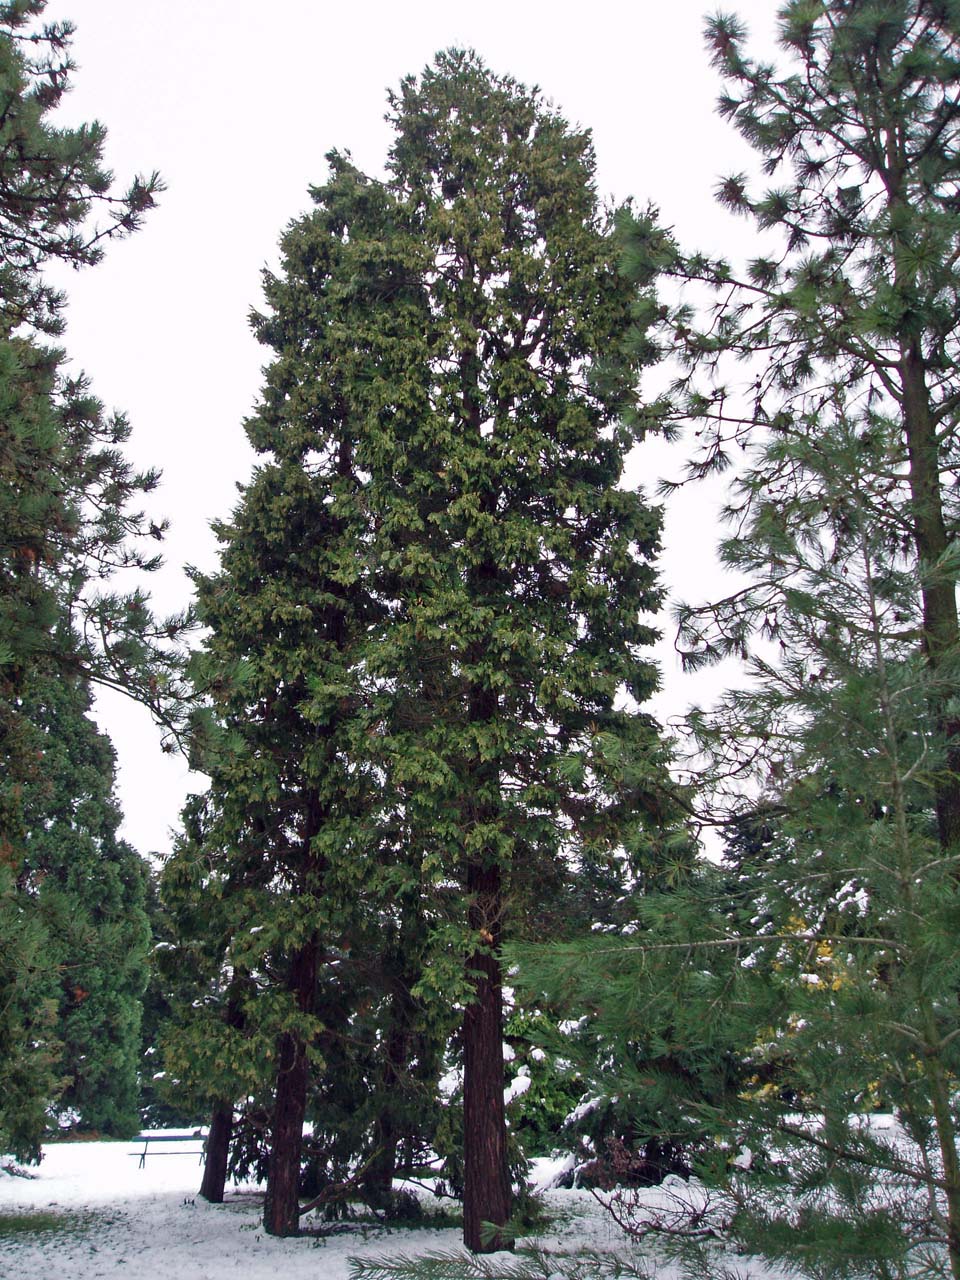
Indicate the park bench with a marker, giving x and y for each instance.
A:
(187, 1144)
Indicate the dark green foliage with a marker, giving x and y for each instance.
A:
(88, 888)
(75, 936)
(531, 1263)
(276, 867)
(818, 970)
(204, 1057)
(649, 1035)
(51, 179)
(29, 1048)
(157, 1109)
(65, 528)
(65, 525)
(537, 1111)
(524, 568)
(66, 488)
(425, 635)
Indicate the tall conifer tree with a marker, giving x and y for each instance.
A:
(843, 519)
(288, 844)
(426, 642)
(89, 888)
(65, 520)
(525, 567)
(857, 287)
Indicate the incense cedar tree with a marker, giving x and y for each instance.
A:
(427, 638)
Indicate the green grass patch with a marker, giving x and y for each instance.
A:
(39, 1222)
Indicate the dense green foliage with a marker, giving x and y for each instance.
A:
(425, 657)
(829, 938)
(65, 525)
(88, 887)
(426, 638)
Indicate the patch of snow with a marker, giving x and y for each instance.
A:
(547, 1172)
(583, 1109)
(124, 1221)
(568, 1027)
(516, 1088)
(450, 1082)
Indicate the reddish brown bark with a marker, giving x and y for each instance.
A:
(281, 1210)
(486, 1193)
(217, 1151)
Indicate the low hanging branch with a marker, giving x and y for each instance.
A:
(341, 1190)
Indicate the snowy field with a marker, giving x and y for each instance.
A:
(116, 1219)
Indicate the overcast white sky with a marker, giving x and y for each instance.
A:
(236, 103)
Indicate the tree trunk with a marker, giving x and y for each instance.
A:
(378, 1182)
(281, 1210)
(487, 1194)
(217, 1151)
(941, 637)
(486, 1183)
(403, 968)
(221, 1121)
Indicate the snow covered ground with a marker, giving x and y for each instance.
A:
(116, 1219)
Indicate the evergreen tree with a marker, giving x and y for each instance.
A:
(65, 522)
(51, 178)
(834, 943)
(29, 1048)
(831, 937)
(426, 636)
(525, 567)
(88, 886)
(67, 489)
(157, 1111)
(858, 290)
(284, 853)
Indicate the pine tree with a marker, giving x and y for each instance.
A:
(67, 490)
(836, 939)
(65, 517)
(843, 731)
(51, 179)
(858, 289)
(830, 936)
